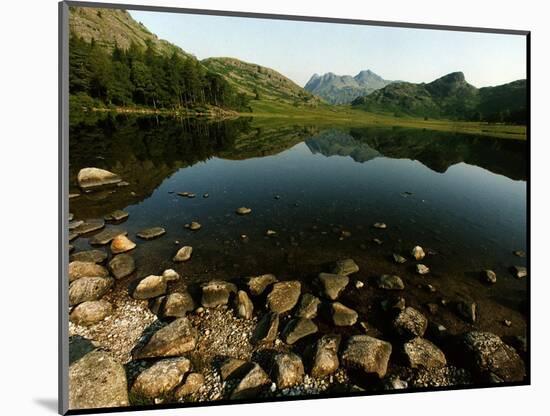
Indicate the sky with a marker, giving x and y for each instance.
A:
(300, 49)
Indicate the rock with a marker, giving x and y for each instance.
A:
(367, 354)
(359, 284)
(270, 233)
(161, 378)
(97, 381)
(342, 315)
(243, 211)
(122, 265)
(216, 293)
(75, 224)
(520, 272)
(422, 353)
(89, 256)
(410, 323)
(177, 304)
(150, 287)
(288, 369)
(90, 179)
(486, 354)
(151, 233)
(390, 282)
(116, 215)
(195, 226)
(490, 276)
(251, 384)
(377, 241)
(79, 269)
(91, 312)
(70, 247)
(380, 225)
(89, 226)
(467, 310)
(393, 303)
(345, 267)
(284, 296)
(433, 308)
(395, 383)
(507, 323)
(520, 253)
(422, 269)
(418, 253)
(257, 284)
(308, 306)
(234, 368)
(122, 184)
(170, 275)
(73, 195)
(297, 329)
(183, 253)
(174, 339)
(398, 258)
(72, 236)
(122, 244)
(325, 356)
(205, 195)
(106, 236)
(267, 328)
(89, 288)
(71, 216)
(243, 305)
(333, 284)
(193, 383)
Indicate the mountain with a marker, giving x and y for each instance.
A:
(259, 82)
(450, 96)
(343, 89)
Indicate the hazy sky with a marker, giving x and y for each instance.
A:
(300, 49)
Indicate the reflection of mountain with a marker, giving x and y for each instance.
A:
(436, 150)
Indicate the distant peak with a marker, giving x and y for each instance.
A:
(453, 77)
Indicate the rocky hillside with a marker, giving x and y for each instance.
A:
(343, 89)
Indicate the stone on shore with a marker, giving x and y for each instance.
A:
(490, 276)
(267, 329)
(89, 288)
(161, 378)
(390, 282)
(410, 323)
(91, 312)
(288, 369)
(151, 233)
(122, 244)
(90, 179)
(243, 305)
(75, 224)
(342, 315)
(284, 296)
(243, 211)
(177, 305)
(345, 267)
(122, 265)
(233, 368)
(333, 284)
(325, 356)
(89, 226)
(90, 256)
(183, 254)
(116, 215)
(174, 339)
(520, 271)
(251, 384)
(367, 354)
(308, 306)
(297, 329)
(79, 269)
(398, 258)
(106, 236)
(150, 287)
(422, 353)
(258, 284)
(193, 383)
(418, 253)
(216, 293)
(170, 275)
(97, 381)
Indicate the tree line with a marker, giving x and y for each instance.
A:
(142, 76)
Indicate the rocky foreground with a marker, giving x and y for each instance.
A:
(158, 339)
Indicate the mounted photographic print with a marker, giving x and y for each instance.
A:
(264, 207)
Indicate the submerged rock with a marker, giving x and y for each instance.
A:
(122, 244)
(122, 265)
(325, 356)
(89, 288)
(367, 354)
(490, 276)
(422, 269)
(257, 284)
(333, 284)
(342, 315)
(243, 211)
(97, 381)
(89, 256)
(106, 236)
(91, 312)
(520, 271)
(410, 323)
(183, 254)
(161, 378)
(267, 329)
(297, 329)
(216, 293)
(251, 384)
(345, 267)
(390, 282)
(288, 369)
(422, 353)
(90, 179)
(116, 215)
(380, 225)
(79, 269)
(520, 253)
(89, 226)
(284, 296)
(150, 287)
(151, 233)
(270, 233)
(195, 226)
(398, 258)
(308, 306)
(243, 305)
(418, 253)
(174, 339)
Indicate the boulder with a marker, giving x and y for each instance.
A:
(333, 284)
(342, 315)
(90, 256)
(89, 226)
(183, 254)
(122, 265)
(390, 282)
(91, 312)
(193, 383)
(243, 305)
(297, 329)
(345, 267)
(97, 381)
(89, 288)
(106, 236)
(420, 352)
(288, 369)
(174, 339)
(308, 306)
(367, 354)
(177, 305)
(284, 296)
(116, 215)
(161, 378)
(150, 287)
(216, 293)
(257, 284)
(418, 253)
(251, 384)
(325, 356)
(122, 244)
(267, 328)
(170, 275)
(79, 269)
(90, 179)
(410, 323)
(151, 233)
